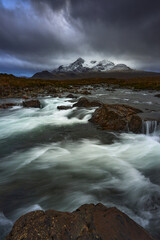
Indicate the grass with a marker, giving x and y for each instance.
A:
(141, 83)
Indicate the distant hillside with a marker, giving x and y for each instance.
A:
(11, 86)
(45, 75)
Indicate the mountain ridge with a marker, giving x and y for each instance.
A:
(81, 66)
(87, 69)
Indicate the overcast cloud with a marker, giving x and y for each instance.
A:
(41, 34)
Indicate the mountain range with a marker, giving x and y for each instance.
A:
(87, 69)
(80, 66)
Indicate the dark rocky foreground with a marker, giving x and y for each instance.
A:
(89, 222)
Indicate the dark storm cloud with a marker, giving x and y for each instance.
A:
(54, 4)
(121, 26)
(43, 31)
(34, 40)
(21, 32)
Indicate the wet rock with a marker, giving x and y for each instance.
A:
(110, 90)
(64, 107)
(157, 95)
(51, 90)
(57, 95)
(71, 96)
(85, 92)
(117, 117)
(7, 105)
(25, 97)
(84, 102)
(135, 124)
(32, 104)
(89, 222)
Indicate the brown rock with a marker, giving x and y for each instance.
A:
(110, 90)
(84, 102)
(51, 90)
(135, 124)
(7, 105)
(85, 92)
(25, 97)
(71, 96)
(64, 107)
(157, 95)
(117, 117)
(32, 104)
(89, 222)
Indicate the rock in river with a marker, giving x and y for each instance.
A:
(117, 117)
(32, 104)
(84, 102)
(64, 107)
(157, 95)
(7, 105)
(71, 96)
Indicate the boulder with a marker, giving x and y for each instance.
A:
(157, 95)
(64, 107)
(25, 97)
(32, 104)
(117, 117)
(71, 96)
(85, 92)
(110, 90)
(84, 102)
(89, 222)
(7, 105)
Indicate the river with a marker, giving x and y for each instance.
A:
(51, 159)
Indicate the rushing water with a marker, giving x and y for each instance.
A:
(56, 159)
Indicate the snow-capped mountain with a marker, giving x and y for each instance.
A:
(82, 66)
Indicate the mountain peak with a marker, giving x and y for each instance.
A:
(80, 60)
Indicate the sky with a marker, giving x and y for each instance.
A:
(38, 35)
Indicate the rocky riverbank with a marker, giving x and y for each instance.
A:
(14, 87)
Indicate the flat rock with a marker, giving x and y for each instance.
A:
(89, 222)
(63, 107)
(32, 104)
(117, 117)
(7, 105)
(25, 97)
(84, 102)
(157, 95)
(85, 92)
(71, 96)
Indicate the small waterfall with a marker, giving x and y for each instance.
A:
(150, 127)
